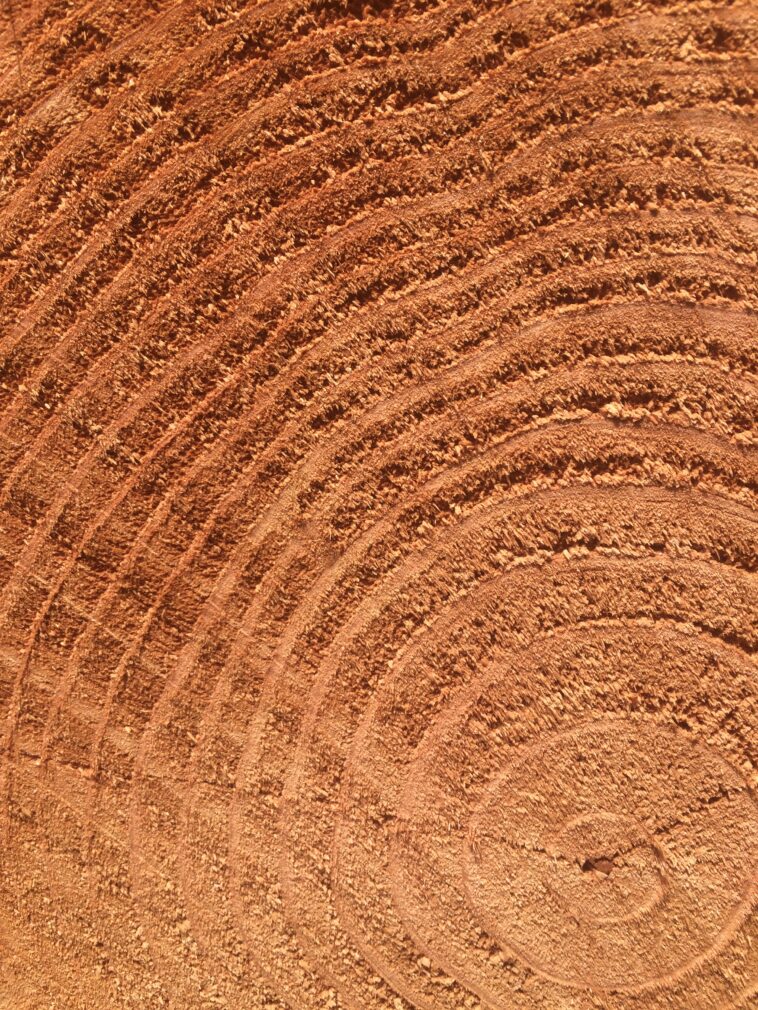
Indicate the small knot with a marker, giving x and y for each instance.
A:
(602, 865)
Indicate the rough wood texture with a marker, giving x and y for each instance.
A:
(377, 505)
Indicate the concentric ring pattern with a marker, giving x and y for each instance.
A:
(377, 505)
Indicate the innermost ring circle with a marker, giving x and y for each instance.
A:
(563, 863)
(606, 867)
